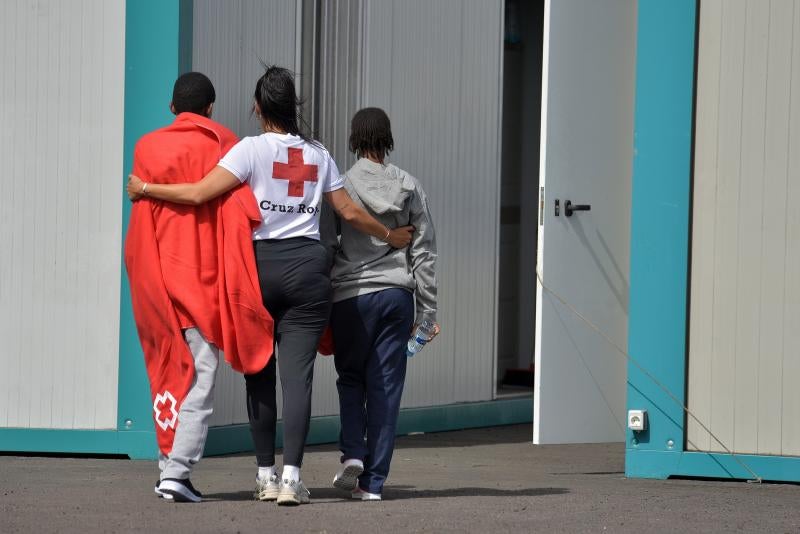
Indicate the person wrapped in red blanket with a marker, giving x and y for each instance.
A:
(193, 281)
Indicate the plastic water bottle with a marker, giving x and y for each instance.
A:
(421, 335)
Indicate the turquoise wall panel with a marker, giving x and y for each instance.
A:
(152, 63)
(660, 234)
(660, 217)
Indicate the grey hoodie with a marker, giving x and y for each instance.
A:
(364, 264)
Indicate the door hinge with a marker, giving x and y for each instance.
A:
(541, 205)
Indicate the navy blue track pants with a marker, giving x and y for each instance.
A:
(370, 334)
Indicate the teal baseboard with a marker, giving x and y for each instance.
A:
(236, 438)
(141, 445)
(67, 441)
(138, 445)
(666, 464)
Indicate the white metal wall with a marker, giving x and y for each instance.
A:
(745, 281)
(61, 128)
(436, 69)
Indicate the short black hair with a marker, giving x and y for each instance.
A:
(371, 133)
(193, 92)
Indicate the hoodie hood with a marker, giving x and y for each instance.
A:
(382, 188)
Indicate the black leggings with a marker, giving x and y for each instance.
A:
(295, 286)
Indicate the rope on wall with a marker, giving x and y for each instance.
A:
(648, 374)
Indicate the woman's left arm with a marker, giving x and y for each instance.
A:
(214, 184)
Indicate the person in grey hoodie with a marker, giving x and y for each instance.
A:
(380, 294)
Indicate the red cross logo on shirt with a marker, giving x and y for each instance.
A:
(296, 171)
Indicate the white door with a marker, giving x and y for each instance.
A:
(586, 159)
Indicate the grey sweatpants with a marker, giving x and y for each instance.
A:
(192, 429)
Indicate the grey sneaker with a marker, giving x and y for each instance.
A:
(293, 493)
(267, 489)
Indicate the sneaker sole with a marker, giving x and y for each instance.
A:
(179, 492)
(349, 478)
(267, 495)
(360, 497)
(161, 494)
(291, 500)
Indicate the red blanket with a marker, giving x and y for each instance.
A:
(192, 266)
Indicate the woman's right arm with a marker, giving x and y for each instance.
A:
(214, 184)
(362, 221)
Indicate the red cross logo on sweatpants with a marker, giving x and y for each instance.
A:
(296, 171)
(164, 406)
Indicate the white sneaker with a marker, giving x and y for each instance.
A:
(347, 477)
(267, 489)
(361, 495)
(293, 492)
(160, 493)
(181, 490)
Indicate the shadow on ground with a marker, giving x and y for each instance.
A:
(511, 434)
(481, 436)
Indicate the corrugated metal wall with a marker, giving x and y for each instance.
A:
(436, 69)
(745, 289)
(230, 40)
(61, 126)
(340, 74)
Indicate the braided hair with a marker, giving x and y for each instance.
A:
(371, 133)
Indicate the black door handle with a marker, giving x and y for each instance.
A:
(569, 207)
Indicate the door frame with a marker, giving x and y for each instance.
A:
(661, 208)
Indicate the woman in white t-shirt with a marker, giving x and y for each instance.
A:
(289, 175)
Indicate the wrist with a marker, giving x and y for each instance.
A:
(386, 237)
(144, 189)
(423, 316)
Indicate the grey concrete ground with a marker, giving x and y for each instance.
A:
(488, 480)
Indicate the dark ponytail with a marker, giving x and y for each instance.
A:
(276, 97)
